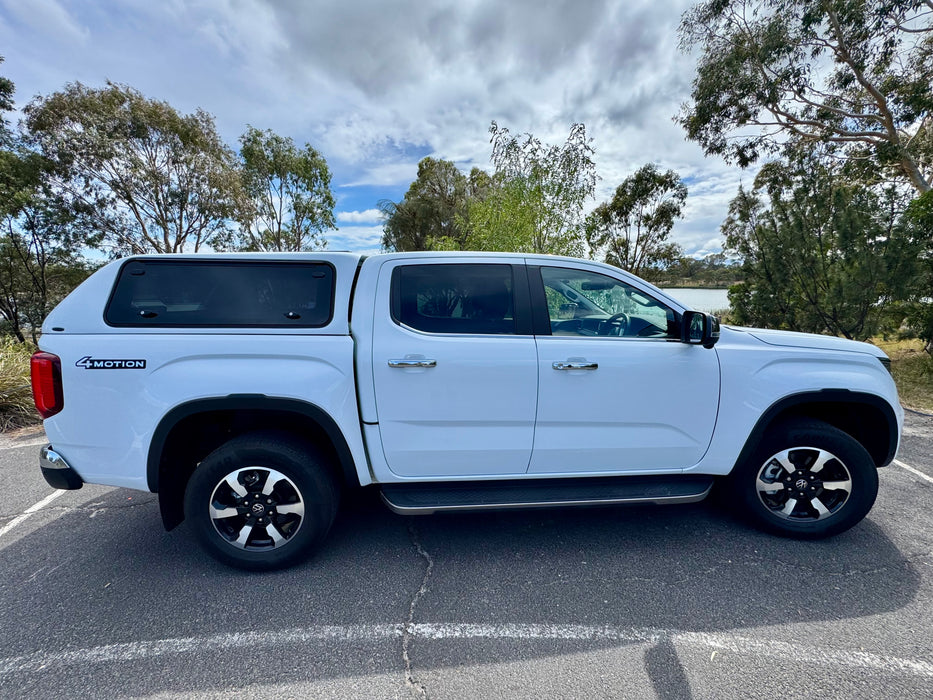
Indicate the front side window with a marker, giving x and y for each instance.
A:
(454, 298)
(220, 293)
(580, 302)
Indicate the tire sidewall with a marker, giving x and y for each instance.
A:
(294, 460)
(858, 462)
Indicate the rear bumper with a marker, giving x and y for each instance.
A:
(57, 472)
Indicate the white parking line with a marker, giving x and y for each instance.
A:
(795, 654)
(909, 468)
(31, 510)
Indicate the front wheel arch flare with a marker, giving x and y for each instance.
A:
(841, 408)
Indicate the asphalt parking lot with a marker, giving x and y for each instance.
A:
(640, 602)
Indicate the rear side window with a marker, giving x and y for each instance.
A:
(210, 294)
(454, 298)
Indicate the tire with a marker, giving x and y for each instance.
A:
(806, 480)
(261, 501)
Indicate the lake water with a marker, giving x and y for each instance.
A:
(702, 299)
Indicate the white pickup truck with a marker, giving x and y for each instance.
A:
(248, 390)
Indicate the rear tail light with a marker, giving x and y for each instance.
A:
(46, 371)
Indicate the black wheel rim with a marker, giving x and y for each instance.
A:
(256, 508)
(804, 484)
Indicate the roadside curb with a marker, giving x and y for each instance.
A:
(23, 437)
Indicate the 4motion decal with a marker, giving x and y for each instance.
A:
(88, 362)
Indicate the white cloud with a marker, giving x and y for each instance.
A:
(376, 86)
(370, 216)
(49, 17)
(362, 238)
(385, 174)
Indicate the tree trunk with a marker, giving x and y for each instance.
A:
(917, 179)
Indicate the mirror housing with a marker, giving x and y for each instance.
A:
(698, 328)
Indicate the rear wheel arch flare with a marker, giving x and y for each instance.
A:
(190, 431)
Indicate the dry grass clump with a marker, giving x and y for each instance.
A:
(913, 372)
(16, 406)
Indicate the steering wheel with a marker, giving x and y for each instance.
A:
(616, 324)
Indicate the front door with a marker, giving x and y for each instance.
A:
(616, 392)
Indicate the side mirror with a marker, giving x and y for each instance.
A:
(698, 328)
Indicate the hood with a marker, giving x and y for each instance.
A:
(811, 340)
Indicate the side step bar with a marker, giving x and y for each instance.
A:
(424, 498)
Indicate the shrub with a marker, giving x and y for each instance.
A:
(16, 406)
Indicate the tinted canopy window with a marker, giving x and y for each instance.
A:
(220, 293)
(455, 298)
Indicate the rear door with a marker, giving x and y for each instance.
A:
(454, 368)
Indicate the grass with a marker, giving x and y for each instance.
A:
(16, 407)
(913, 372)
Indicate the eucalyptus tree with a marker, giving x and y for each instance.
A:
(433, 214)
(537, 196)
(855, 73)
(42, 233)
(7, 90)
(632, 229)
(155, 180)
(286, 203)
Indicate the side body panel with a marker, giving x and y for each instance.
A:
(756, 376)
(110, 415)
(649, 407)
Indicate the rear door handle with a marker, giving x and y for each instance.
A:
(403, 364)
(569, 364)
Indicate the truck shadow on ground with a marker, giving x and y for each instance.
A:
(117, 577)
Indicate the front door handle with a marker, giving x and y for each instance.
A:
(573, 364)
(404, 364)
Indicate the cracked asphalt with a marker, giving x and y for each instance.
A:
(639, 602)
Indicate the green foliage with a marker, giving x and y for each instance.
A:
(533, 202)
(507, 218)
(821, 252)
(917, 290)
(713, 271)
(6, 105)
(912, 369)
(40, 262)
(41, 233)
(631, 230)
(40, 242)
(154, 180)
(854, 73)
(537, 196)
(287, 202)
(16, 406)
(434, 212)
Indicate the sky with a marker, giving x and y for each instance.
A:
(376, 85)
